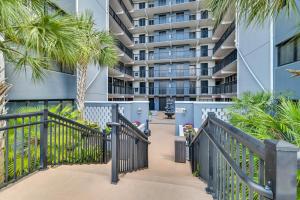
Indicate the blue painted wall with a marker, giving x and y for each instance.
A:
(193, 112)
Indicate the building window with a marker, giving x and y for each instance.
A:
(142, 5)
(204, 14)
(204, 32)
(162, 2)
(204, 51)
(204, 69)
(142, 39)
(289, 51)
(142, 22)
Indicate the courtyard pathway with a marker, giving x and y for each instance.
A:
(164, 180)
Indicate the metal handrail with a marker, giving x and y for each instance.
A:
(55, 138)
(256, 146)
(265, 191)
(136, 131)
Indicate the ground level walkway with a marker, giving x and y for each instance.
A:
(164, 179)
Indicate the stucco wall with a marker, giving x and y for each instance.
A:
(54, 85)
(286, 26)
(253, 44)
(193, 112)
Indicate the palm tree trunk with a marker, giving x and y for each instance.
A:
(81, 88)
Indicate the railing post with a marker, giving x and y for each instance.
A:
(281, 169)
(115, 144)
(147, 130)
(210, 184)
(43, 139)
(104, 147)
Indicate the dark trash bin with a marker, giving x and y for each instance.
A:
(180, 149)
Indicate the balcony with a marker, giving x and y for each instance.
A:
(121, 25)
(175, 91)
(227, 18)
(120, 90)
(190, 38)
(225, 89)
(191, 55)
(170, 22)
(226, 43)
(121, 72)
(122, 11)
(227, 66)
(126, 50)
(157, 7)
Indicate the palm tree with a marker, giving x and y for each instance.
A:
(253, 11)
(98, 48)
(31, 37)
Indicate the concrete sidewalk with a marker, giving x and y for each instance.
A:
(164, 179)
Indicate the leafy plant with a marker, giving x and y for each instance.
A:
(197, 172)
(264, 117)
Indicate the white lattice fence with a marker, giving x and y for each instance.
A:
(100, 114)
(220, 113)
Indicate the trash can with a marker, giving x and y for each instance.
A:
(180, 149)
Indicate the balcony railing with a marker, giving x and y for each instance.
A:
(173, 73)
(174, 91)
(229, 30)
(166, 3)
(124, 70)
(173, 54)
(120, 90)
(126, 10)
(120, 23)
(226, 61)
(227, 88)
(125, 49)
(166, 20)
(173, 37)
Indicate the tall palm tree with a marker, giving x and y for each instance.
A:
(98, 47)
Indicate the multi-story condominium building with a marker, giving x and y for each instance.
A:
(261, 55)
(174, 49)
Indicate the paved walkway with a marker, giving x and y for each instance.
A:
(164, 179)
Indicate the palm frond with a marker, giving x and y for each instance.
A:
(252, 11)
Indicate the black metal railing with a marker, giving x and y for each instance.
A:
(120, 23)
(35, 140)
(124, 69)
(125, 49)
(238, 166)
(226, 61)
(226, 88)
(115, 89)
(129, 146)
(126, 10)
(229, 30)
